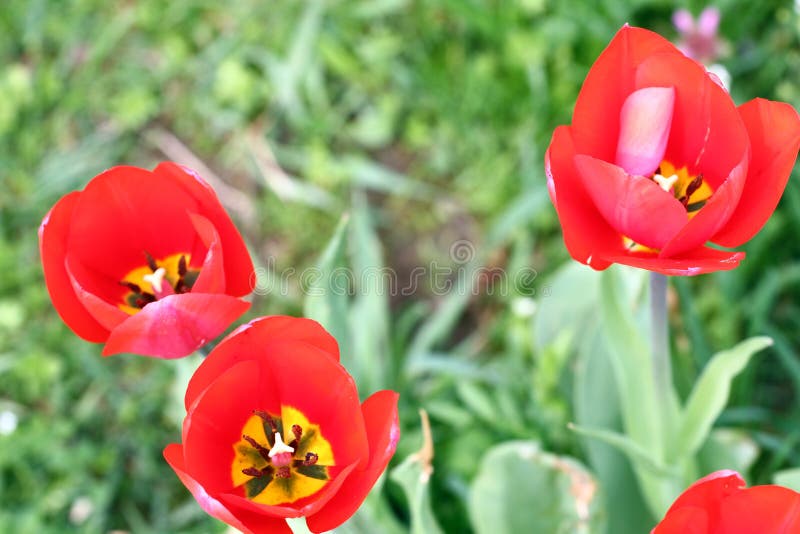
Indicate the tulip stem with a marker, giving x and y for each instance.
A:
(298, 525)
(659, 325)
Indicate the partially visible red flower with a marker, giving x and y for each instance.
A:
(145, 261)
(274, 430)
(720, 504)
(659, 161)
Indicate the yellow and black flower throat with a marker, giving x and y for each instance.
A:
(273, 469)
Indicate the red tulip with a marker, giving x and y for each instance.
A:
(658, 161)
(719, 504)
(146, 262)
(274, 430)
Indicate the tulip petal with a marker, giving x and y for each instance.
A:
(176, 325)
(238, 265)
(635, 206)
(383, 433)
(53, 250)
(686, 520)
(774, 132)
(303, 507)
(106, 314)
(645, 122)
(711, 217)
(762, 509)
(698, 261)
(708, 492)
(126, 212)
(244, 520)
(585, 229)
(212, 273)
(259, 333)
(308, 380)
(707, 133)
(214, 423)
(596, 121)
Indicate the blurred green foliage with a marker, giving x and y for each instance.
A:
(427, 120)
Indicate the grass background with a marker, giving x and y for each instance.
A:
(428, 117)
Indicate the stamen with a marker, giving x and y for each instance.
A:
(311, 458)
(133, 287)
(253, 472)
(263, 451)
(297, 430)
(182, 266)
(283, 472)
(267, 419)
(279, 447)
(150, 261)
(693, 186)
(156, 279)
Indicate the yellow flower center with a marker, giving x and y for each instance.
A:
(280, 460)
(157, 279)
(691, 191)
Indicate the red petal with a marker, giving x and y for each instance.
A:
(212, 273)
(761, 509)
(707, 133)
(238, 265)
(53, 250)
(215, 422)
(309, 380)
(708, 493)
(698, 261)
(249, 340)
(383, 433)
(585, 230)
(634, 205)
(774, 131)
(125, 212)
(712, 216)
(686, 520)
(175, 326)
(106, 314)
(645, 122)
(256, 523)
(303, 507)
(596, 120)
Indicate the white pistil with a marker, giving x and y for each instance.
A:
(280, 446)
(666, 183)
(156, 279)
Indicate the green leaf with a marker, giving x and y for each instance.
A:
(710, 394)
(326, 300)
(728, 448)
(414, 476)
(635, 452)
(788, 478)
(520, 488)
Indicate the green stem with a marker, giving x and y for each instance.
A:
(659, 332)
(298, 525)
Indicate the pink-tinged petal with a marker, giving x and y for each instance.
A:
(711, 217)
(774, 132)
(238, 265)
(707, 134)
(708, 22)
(635, 206)
(212, 273)
(383, 433)
(761, 509)
(106, 314)
(708, 492)
(585, 230)
(302, 507)
(683, 21)
(596, 120)
(53, 234)
(244, 520)
(698, 261)
(262, 332)
(175, 326)
(645, 122)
